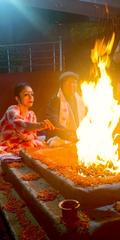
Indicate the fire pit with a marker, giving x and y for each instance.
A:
(64, 175)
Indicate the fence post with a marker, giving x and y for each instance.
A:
(60, 54)
(57, 55)
(30, 58)
(8, 59)
(54, 58)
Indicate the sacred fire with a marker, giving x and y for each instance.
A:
(96, 145)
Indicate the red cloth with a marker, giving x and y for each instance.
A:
(13, 133)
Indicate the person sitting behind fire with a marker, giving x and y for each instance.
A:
(19, 126)
(67, 109)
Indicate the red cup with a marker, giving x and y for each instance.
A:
(69, 208)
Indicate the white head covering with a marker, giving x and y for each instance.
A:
(68, 74)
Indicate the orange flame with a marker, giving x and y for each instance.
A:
(95, 133)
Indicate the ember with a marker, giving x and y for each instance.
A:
(79, 174)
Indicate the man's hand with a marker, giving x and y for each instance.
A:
(48, 125)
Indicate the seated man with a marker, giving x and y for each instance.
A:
(19, 126)
(66, 109)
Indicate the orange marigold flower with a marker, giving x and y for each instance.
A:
(13, 204)
(16, 164)
(30, 176)
(5, 186)
(47, 195)
(32, 231)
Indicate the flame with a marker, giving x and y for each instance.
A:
(95, 133)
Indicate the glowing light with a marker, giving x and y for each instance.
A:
(95, 133)
(26, 11)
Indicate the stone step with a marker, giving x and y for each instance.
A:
(103, 224)
(46, 211)
(20, 223)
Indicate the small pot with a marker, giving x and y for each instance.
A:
(69, 208)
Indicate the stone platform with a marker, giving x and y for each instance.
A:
(102, 223)
(18, 219)
(47, 213)
(90, 196)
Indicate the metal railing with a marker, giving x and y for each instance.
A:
(32, 57)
